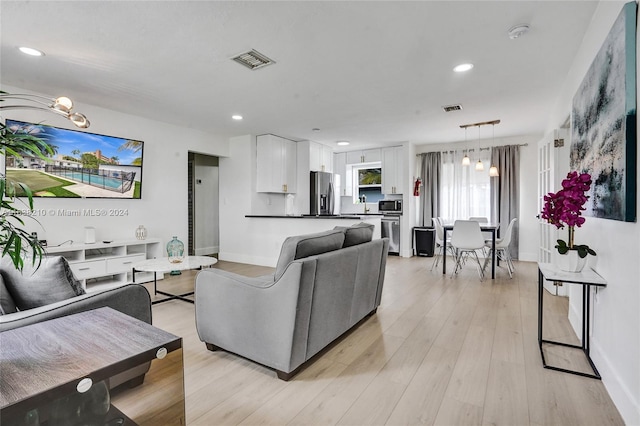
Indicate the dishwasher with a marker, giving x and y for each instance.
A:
(390, 228)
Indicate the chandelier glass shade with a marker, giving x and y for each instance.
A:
(61, 106)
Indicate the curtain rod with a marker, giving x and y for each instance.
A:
(471, 149)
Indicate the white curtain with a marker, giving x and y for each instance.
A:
(465, 192)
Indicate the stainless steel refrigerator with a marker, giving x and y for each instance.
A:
(324, 193)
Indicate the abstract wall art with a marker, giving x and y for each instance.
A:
(603, 123)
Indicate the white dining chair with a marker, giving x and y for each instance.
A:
(502, 248)
(486, 235)
(465, 240)
(479, 219)
(439, 243)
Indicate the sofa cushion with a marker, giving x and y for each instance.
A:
(302, 246)
(357, 234)
(7, 305)
(52, 282)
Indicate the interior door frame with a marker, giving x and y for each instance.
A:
(551, 149)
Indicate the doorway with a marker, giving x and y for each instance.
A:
(203, 190)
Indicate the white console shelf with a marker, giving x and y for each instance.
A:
(106, 265)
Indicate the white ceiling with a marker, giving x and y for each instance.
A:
(372, 73)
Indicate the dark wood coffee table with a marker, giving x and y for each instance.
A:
(60, 368)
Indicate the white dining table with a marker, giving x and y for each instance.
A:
(484, 227)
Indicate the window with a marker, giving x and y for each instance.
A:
(368, 184)
(465, 192)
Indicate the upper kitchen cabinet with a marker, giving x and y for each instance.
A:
(320, 157)
(276, 164)
(345, 171)
(392, 170)
(364, 156)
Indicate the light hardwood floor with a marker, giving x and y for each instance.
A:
(439, 351)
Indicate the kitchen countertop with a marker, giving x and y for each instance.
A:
(343, 216)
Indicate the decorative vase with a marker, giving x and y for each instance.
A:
(175, 250)
(571, 262)
(141, 232)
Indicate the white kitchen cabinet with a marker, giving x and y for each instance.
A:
(345, 171)
(364, 156)
(392, 170)
(320, 157)
(275, 164)
(103, 265)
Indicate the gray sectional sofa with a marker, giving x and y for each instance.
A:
(52, 291)
(324, 284)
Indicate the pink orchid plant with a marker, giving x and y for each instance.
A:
(565, 208)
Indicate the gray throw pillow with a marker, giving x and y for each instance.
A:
(302, 246)
(52, 282)
(357, 234)
(7, 306)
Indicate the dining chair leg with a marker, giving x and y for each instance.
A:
(487, 259)
(458, 265)
(437, 259)
(480, 269)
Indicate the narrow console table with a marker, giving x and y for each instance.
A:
(586, 278)
(59, 372)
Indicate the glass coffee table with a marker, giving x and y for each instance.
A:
(163, 265)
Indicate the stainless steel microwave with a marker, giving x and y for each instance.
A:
(390, 206)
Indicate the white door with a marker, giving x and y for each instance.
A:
(549, 180)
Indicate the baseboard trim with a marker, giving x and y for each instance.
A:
(622, 397)
(204, 251)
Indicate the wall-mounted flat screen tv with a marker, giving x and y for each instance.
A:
(83, 165)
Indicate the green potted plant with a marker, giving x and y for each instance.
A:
(565, 208)
(15, 241)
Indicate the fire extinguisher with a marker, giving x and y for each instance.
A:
(416, 187)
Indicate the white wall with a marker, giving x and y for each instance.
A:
(163, 208)
(615, 340)
(528, 224)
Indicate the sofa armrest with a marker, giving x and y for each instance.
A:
(131, 299)
(252, 317)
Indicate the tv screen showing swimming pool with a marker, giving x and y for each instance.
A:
(82, 165)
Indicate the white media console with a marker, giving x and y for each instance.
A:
(106, 265)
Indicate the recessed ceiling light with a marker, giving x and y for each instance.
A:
(30, 51)
(463, 67)
(236, 117)
(343, 143)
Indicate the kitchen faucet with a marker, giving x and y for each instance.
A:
(363, 200)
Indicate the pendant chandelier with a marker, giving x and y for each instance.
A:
(493, 170)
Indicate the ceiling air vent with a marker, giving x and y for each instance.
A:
(253, 59)
(449, 108)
